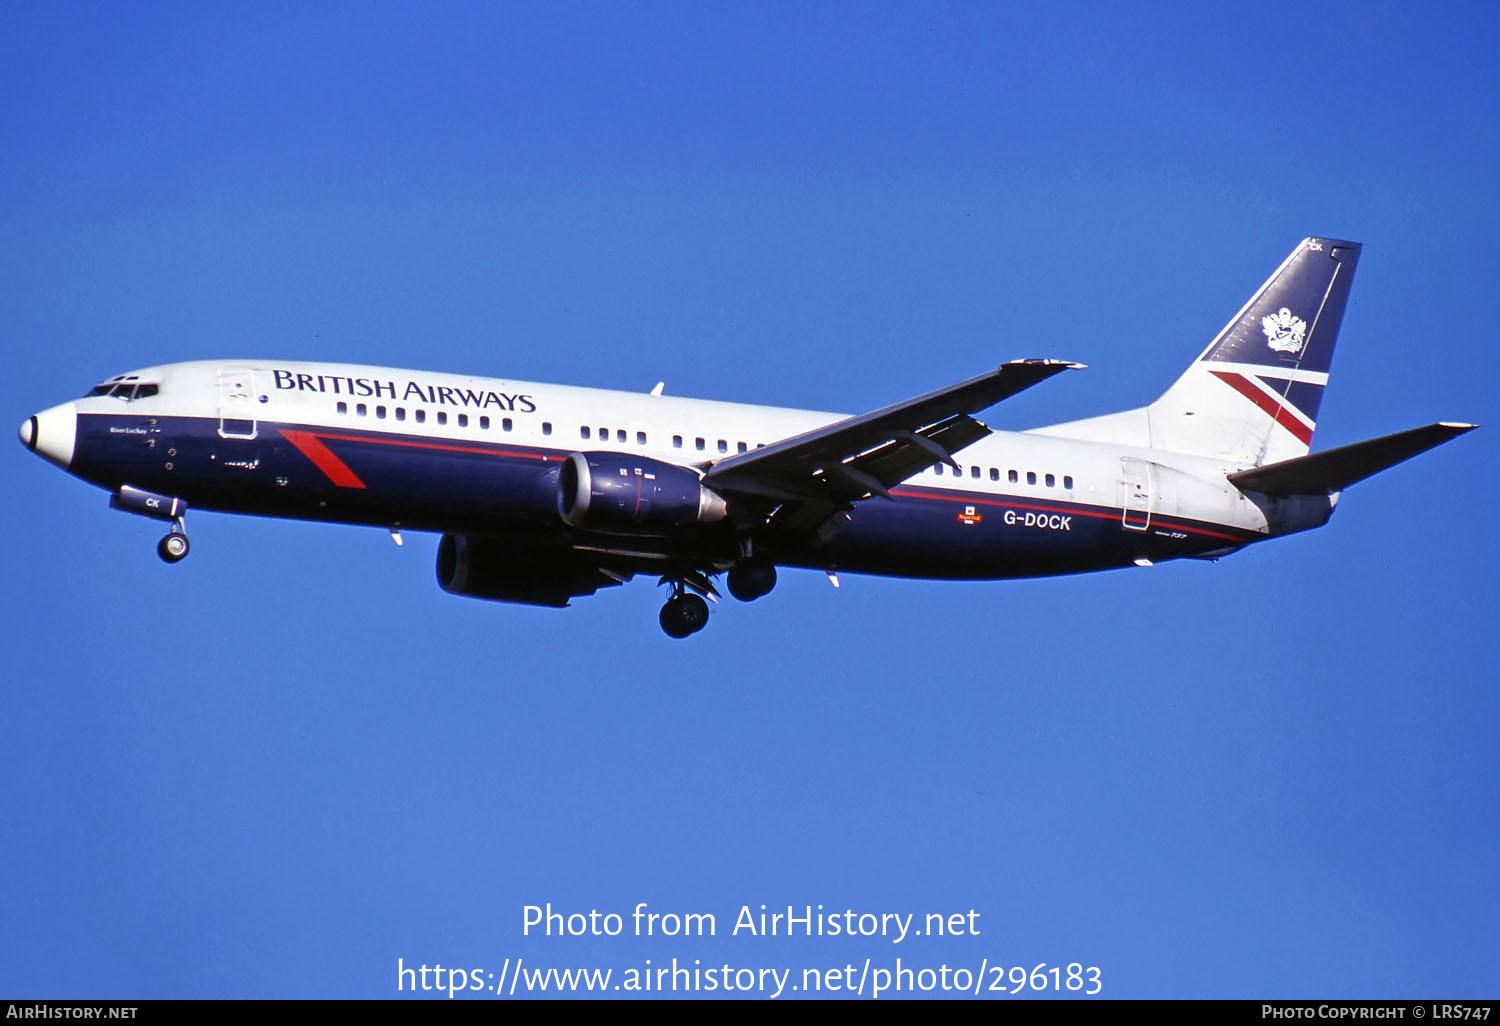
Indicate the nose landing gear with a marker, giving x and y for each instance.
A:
(174, 547)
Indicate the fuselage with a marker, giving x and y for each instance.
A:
(547, 493)
(427, 451)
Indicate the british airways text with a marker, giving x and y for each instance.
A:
(412, 390)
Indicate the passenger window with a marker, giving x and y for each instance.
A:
(442, 416)
(380, 413)
(1068, 482)
(361, 409)
(677, 441)
(421, 416)
(741, 447)
(620, 435)
(484, 423)
(640, 438)
(463, 420)
(699, 444)
(583, 432)
(1051, 481)
(994, 473)
(343, 407)
(723, 445)
(1031, 477)
(1012, 477)
(974, 473)
(546, 427)
(507, 424)
(937, 468)
(401, 413)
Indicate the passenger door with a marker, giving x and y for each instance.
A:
(1135, 494)
(237, 403)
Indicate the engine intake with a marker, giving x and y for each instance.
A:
(622, 493)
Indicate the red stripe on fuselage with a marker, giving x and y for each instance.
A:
(1096, 514)
(1277, 412)
(309, 445)
(409, 443)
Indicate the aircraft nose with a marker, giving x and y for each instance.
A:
(52, 433)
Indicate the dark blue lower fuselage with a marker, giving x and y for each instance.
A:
(479, 487)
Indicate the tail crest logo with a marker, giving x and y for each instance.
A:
(1285, 331)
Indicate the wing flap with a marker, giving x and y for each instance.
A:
(846, 460)
(915, 451)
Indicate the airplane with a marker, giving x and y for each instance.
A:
(546, 493)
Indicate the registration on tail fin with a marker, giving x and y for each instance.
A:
(1252, 396)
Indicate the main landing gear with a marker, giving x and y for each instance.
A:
(685, 613)
(749, 579)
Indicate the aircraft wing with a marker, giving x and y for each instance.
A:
(852, 459)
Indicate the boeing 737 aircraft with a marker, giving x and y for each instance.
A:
(545, 493)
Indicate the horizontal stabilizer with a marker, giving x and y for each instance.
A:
(1324, 473)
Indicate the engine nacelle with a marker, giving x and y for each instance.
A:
(622, 493)
(506, 572)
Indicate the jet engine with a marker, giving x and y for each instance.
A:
(626, 494)
(506, 572)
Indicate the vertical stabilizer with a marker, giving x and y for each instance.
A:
(1252, 397)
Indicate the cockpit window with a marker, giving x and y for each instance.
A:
(128, 389)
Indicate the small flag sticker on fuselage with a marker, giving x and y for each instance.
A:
(969, 516)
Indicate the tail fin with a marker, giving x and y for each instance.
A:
(1252, 397)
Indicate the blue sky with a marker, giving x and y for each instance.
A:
(277, 768)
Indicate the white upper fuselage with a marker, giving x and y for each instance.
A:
(673, 429)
